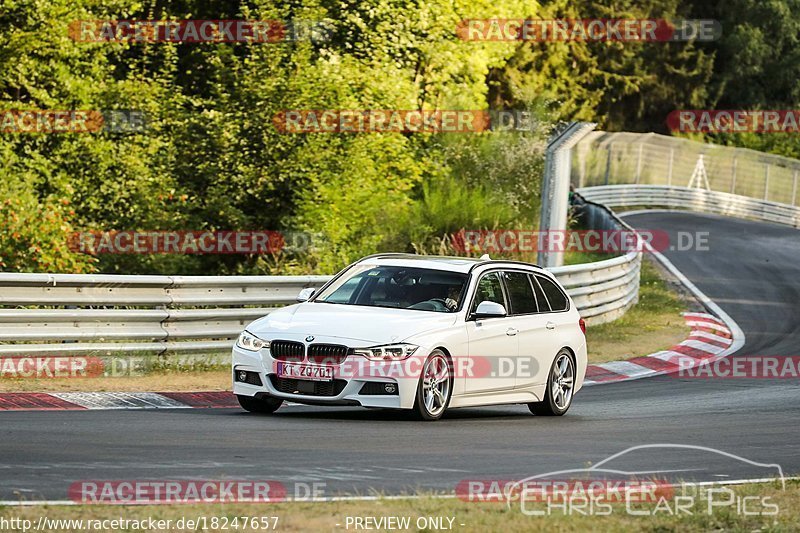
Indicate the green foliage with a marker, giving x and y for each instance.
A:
(36, 235)
(447, 206)
(212, 159)
(757, 66)
(622, 85)
(758, 55)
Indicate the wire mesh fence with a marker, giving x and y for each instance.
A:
(603, 158)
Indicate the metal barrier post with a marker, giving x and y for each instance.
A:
(555, 186)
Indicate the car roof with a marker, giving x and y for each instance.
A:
(439, 262)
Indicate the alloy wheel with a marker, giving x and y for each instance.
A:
(436, 384)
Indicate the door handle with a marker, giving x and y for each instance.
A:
(550, 325)
(512, 331)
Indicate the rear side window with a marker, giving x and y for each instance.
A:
(556, 297)
(520, 293)
(544, 307)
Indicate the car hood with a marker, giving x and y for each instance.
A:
(371, 325)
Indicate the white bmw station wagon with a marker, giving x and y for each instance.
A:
(426, 333)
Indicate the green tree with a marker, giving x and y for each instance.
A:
(621, 85)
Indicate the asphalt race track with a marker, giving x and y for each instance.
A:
(752, 271)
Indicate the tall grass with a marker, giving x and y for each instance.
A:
(487, 181)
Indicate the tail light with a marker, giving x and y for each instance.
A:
(582, 324)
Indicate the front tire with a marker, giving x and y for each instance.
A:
(258, 405)
(560, 385)
(435, 387)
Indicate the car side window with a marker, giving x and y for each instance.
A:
(556, 297)
(520, 293)
(541, 300)
(490, 289)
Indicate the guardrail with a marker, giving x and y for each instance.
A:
(112, 314)
(109, 314)
(693, 199)
(603, 290)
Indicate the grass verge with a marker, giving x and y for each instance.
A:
(159, 381)
(466, 516)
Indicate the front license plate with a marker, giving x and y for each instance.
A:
(312, 372)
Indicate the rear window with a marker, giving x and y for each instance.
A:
(520, 293)
(556, 297)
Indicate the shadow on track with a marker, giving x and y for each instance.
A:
(388, 415)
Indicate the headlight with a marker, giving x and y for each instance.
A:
(248, 341)
(389, 352)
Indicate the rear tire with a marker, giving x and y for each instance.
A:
(435, 387)
(560, 386)
(258, 405)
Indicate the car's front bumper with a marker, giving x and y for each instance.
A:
(347, 388)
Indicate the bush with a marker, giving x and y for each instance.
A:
(36, 237)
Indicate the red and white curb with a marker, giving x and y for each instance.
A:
(79, 401)
(708, 340)
(713, 337)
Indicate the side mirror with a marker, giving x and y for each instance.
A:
(306, 294)
(487, 309)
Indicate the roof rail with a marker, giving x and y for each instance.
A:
(478, 261)
(496, 261)
(385, 254)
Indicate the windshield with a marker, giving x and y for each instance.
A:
(420, 289)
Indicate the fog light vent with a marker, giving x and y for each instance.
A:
(379, 388)
(244, 376)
